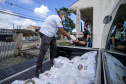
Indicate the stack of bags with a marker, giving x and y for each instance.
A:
(85, 67)
(116, 69)
(79, 70)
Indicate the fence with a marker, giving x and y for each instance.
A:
(12, 41)
(7, 50)
(7, 44)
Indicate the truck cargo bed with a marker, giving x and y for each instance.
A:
(26, 70)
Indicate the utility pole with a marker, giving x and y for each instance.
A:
(13, 26)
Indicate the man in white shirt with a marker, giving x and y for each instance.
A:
(51, 25)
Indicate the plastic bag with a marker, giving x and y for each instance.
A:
(73, 38)
(59, 62)
(83, 81)
(63, 71)
(91, 53)
(75, 59)
(54, 69)
(37, 81)
(82, 69)
(89, 57)
(67, 39)
(45, 75)
(67, 80)
(51, 81)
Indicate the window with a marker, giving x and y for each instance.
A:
(116, 40)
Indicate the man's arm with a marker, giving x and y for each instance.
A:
(122, 28)
(88, 37)
(61, 30)
(80, 42)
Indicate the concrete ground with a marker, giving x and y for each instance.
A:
(15, 60)
(33, 52)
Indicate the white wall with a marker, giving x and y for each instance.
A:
(100, 10)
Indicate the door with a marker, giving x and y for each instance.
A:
(114, 55)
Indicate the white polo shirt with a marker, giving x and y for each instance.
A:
(51, 25)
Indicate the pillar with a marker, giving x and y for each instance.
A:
(78, 16)
(18, 39)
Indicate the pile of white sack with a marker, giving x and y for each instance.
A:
(79, 70)
(116, 69)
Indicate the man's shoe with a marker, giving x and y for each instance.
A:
(38, 71)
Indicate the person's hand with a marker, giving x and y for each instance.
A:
(123, 40)
(76, 41)
(68, 37)
(120, 47)
(70, 42)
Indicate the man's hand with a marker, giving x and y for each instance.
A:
(70, 42)
(76, 41)
(68, 37)
(61, 30)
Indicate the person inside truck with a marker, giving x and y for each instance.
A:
(49, 28)
(115, 39)
(121, 45)
(117, 33)
(80, 40)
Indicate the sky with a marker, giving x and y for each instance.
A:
(35, 9)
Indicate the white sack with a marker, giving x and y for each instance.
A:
(18, 82)
(37, 81)
(83, 81)
(90, 53)
(67, 80)
(63, 71)
(51, 81)
(45, 75)
(75, 59)
(59, 62)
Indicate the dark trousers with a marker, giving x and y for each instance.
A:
(45, 43)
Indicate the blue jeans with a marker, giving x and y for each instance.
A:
(108, 44)
(90, 43)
